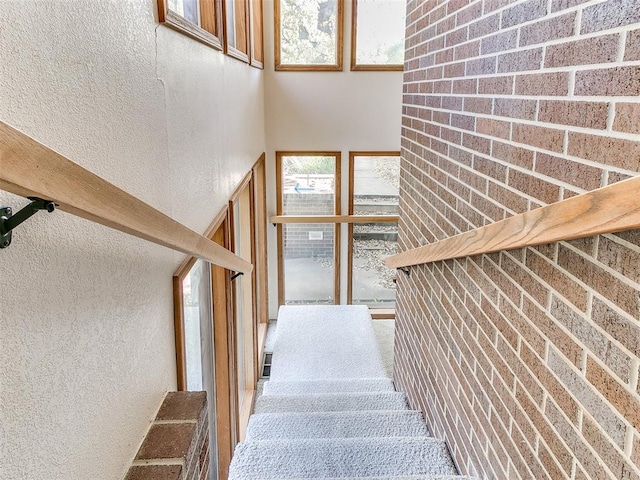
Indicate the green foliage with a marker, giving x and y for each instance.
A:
(308, 32)
(310, 165)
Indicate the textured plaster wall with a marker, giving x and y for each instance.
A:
(331, 111)
(86, 324)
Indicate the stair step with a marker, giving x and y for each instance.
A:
(351, 457)
(319, 342)
(331, 402)
(267, 426)
(346, 385)
(395, 477)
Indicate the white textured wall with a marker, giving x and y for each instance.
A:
(86, 325)
(336, 111)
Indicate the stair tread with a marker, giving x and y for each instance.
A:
(394, 477)
(378, 423)
(341, 385)
(331, 402)
(344, 457)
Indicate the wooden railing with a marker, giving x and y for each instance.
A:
(30, 169)
(606, 210)
(333, 219)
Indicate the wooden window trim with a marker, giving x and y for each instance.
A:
(259, 172)
(256, 18)
(337, 67)
(355, 67)
(232, 50)
(337, 210)
(223, 340)
(387, 313)
(207, 36)
(244, 410)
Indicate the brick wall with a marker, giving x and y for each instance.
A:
(526, 361)
(177, 444)
(296, 235)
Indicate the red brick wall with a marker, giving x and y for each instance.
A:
(525, 361)
(177, 444)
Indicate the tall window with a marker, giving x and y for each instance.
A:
(373, 192)
(308, 34)
(196, 352)
(308, 184)
(377, 37)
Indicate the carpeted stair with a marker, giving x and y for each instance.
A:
(329, 412)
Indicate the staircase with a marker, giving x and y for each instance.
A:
(329, 411)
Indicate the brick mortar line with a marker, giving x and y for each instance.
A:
(469, 402)
(584, 316)
(441, 217)
(629, 463)
(475, 412)
(618, 62)
(513, 96)
(609, 168)
(485, 197)
(521, 121)
(576, 36)
(511, 188)
(563, 328)
(615, 273)
(499, 11)
(528, 71)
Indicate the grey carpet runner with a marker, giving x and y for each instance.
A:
(329, 411)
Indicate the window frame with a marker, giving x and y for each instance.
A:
(337, 67)
(337, 210)
(197, 32)
(375, 313)
(222, 329)
(233, 50)
(355, 67)
(256, 19)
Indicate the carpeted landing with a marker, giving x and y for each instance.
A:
(330, 412)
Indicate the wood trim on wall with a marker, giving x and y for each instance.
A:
(337, 67)
(609, 209)
(30, 169)
(280, 228)
(227, 416)
(249, 321)
(261, 260)
(279, 219)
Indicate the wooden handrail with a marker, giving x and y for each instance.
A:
(334, 219)
(606, 210)
(30, 169)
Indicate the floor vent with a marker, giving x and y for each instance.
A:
(266, 365)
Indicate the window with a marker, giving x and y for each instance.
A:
(308, 34)
(236, 14)
(308, 184)
(377, 37)
(206, 20)
(373, 191)
(257, 44)
(200, 19)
